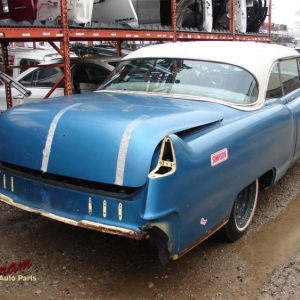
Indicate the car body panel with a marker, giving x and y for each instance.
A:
(207, 15)
(213, 15)
(106, 12)
(162, 206)
(241, 16)
(84, 12)
(156, 121)
(18, 10)
(152, 165)
(79, 11)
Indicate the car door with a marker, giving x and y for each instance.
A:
(18, 10)
(284, 85)
(290, 78)
(115, 11)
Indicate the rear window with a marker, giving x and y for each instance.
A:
(185, 78)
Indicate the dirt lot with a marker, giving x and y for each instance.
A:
(74, 263)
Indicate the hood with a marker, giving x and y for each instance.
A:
(97, 135)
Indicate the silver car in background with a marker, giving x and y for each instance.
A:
(88, 73)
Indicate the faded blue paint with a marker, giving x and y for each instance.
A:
(87, 138)
(86, 146)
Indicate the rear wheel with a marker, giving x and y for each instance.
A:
(242, 212)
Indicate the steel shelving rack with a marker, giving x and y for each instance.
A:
(65, 33)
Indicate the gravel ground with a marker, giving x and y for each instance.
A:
(75, 263)
(284, 283)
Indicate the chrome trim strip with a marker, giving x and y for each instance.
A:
(104, 208)
(124, 147)
(4, 181)
(245, 107)
(12, 187)
(51, 132)
(120, 211)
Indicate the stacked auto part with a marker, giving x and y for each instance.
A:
(203, 15)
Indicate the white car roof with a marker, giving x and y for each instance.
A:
(249, 55)
(35, 54)
(257, 58)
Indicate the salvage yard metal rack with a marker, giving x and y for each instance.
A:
(65, 33)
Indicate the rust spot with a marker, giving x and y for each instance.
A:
(159, 239)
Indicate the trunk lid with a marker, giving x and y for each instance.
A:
(92, 136)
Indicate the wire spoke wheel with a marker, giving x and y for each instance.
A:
(242, 212)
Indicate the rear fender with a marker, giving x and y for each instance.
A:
(164, 235)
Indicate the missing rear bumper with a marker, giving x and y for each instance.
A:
(160, 240)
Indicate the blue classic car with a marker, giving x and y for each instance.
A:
(172, 147)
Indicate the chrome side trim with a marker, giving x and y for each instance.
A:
(124, 147)
(51, 132)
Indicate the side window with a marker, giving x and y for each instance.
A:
(27, 80)
(48, 76)
(87, 78)
(89, 74)
(274, 89)
(289, 72)
(43, 77)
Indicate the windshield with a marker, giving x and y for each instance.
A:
(184, 78)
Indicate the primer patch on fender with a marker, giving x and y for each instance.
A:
(218, 157)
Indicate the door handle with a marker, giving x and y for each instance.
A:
(18, 97)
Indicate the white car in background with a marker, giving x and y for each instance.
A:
(87, 74)
(26, 57)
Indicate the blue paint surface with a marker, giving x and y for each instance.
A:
(86, 148)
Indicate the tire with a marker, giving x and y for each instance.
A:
(188, 14)
(242, 213)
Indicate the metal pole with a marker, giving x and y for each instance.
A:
(65, 47)
(5, 63)
(174, 19)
